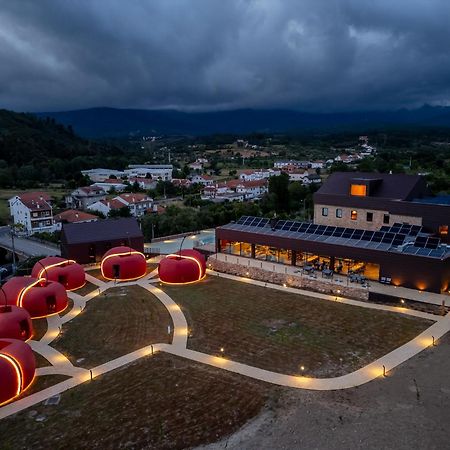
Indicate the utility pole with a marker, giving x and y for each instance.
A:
(13, 250)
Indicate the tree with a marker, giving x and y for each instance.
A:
(121, 212)
(279, 187)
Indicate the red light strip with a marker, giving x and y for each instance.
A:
(26, 289)
(60, 263)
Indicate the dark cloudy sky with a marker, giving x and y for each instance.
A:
(221, 54)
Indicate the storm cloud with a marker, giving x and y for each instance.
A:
(316, 55)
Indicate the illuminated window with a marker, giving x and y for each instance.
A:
(443, 230)
(360, 190)
(325, 212)
(339, 213)
(369, 217)
(386, 219)
(354, 214)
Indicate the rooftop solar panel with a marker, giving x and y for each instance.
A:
(384, 239)
(367, 235)
(347, 233)
(423, 251)
(357, 234)
(420, 241)
(432, 243)
(329, 231)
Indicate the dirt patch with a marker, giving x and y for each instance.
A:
(40, 360)
(284, 332)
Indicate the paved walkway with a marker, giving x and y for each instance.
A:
(337, 280)
(61, 365)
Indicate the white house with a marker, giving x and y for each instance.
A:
(102, 174)
(319, 164)
(155, 171)
(235, 190)
(138, 204)
(84, 196)
(109, 184)
(206, 180)
(33, 211)
(106, 206)
(291, 163)
(260, 174)
(144, 183)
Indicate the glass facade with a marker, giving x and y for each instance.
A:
(342, 266)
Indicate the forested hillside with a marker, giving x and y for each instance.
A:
(39, 150)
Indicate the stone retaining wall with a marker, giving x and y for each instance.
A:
(302, 282)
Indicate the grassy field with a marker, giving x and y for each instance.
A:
(68, 309)
(281, 331)
(39, 328)
(159, 402)
(117, 322)
(6, 194)
(41, 361)
(86, 289)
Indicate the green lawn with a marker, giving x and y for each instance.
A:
(282, 331)
(117, 322)
(86, 289)
(161, 402)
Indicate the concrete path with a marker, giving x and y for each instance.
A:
(61, 365)
(337, 280)
(311, 295)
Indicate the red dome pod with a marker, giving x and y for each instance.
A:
(65, 271)
(17, 368)
(15, 323)
(39, 297)
(187, 266)
(123, 264)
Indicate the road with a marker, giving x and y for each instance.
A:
(26, 246)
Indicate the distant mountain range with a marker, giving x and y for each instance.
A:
(110, 122)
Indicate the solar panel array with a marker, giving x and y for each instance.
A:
(403, 228)
(388, 238)
(253, 221)
(439, 252)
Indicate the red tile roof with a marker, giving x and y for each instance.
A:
(113, 204)
(35, 201)
(134, 198)
(73, 216)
